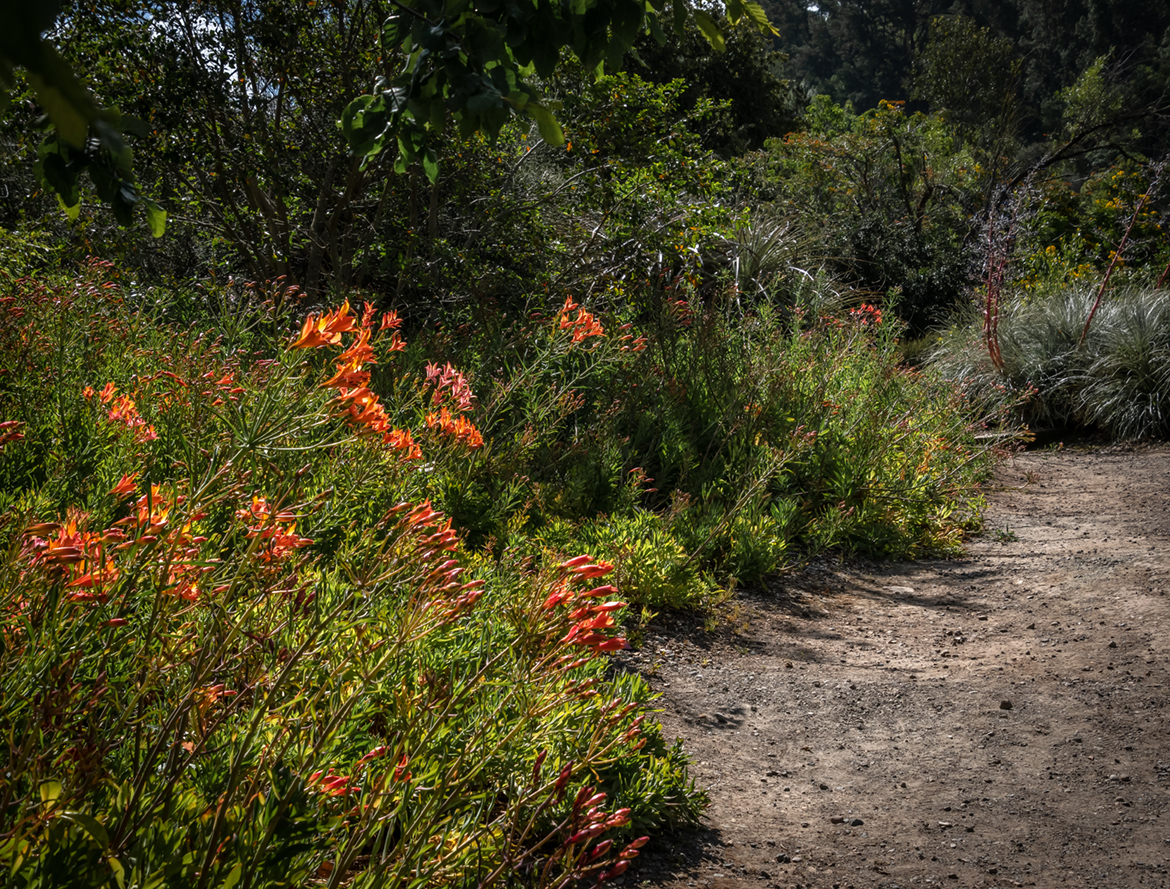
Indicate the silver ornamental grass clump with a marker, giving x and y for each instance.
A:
(1117, 379)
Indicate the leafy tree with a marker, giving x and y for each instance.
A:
(473, 63)
(971, 74)
(889, 199)
(241, 101)
(858, 51)
(83, 136)
(1060, 41)
(748, 74)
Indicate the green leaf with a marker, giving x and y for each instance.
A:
(550, 129)
(710, 29)
(156, 217)
(627, 21)
(72, 211)
(365, 123)
(119, 872)
(51, 791)
(233, 876)
(71, 121)
(91, 826)
(393, 32)
(136, 126)
(430, 162)
(656, 30)
(755, 12)
(55, 174)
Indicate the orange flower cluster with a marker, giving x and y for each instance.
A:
(866, 315)
(152, 520)
(460, 428)
(81, 556)
(585, 325)
(402, 441)
(9, 306)
(448, 379)
(123, 410)
(277, 531)
(588, 618)
(629, 342)
(589, 820)
(434, 539)
(225, 385)
(332, 785)
(87, 557)
(359, 405)
(681, 310)
(327, 329)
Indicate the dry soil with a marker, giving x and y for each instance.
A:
(998, 720)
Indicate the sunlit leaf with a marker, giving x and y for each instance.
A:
(156, 218)
(710, 29)
(550, 129)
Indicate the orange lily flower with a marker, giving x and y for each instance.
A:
(326, 330)
(125, 486)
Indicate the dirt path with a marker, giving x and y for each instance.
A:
(995, 721)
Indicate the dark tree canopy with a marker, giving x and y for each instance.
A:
(863, 51)
(749, 74)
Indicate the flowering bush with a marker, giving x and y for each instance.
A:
(245, 648)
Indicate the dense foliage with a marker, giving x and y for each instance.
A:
(863, 51)
(322, 515)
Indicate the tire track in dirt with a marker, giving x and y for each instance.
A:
(993, 721)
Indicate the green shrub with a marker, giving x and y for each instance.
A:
(651, 567)
(1116, 381)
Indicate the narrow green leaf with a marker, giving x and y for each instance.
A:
(91, 826)
(710, 29)
(656, 29)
